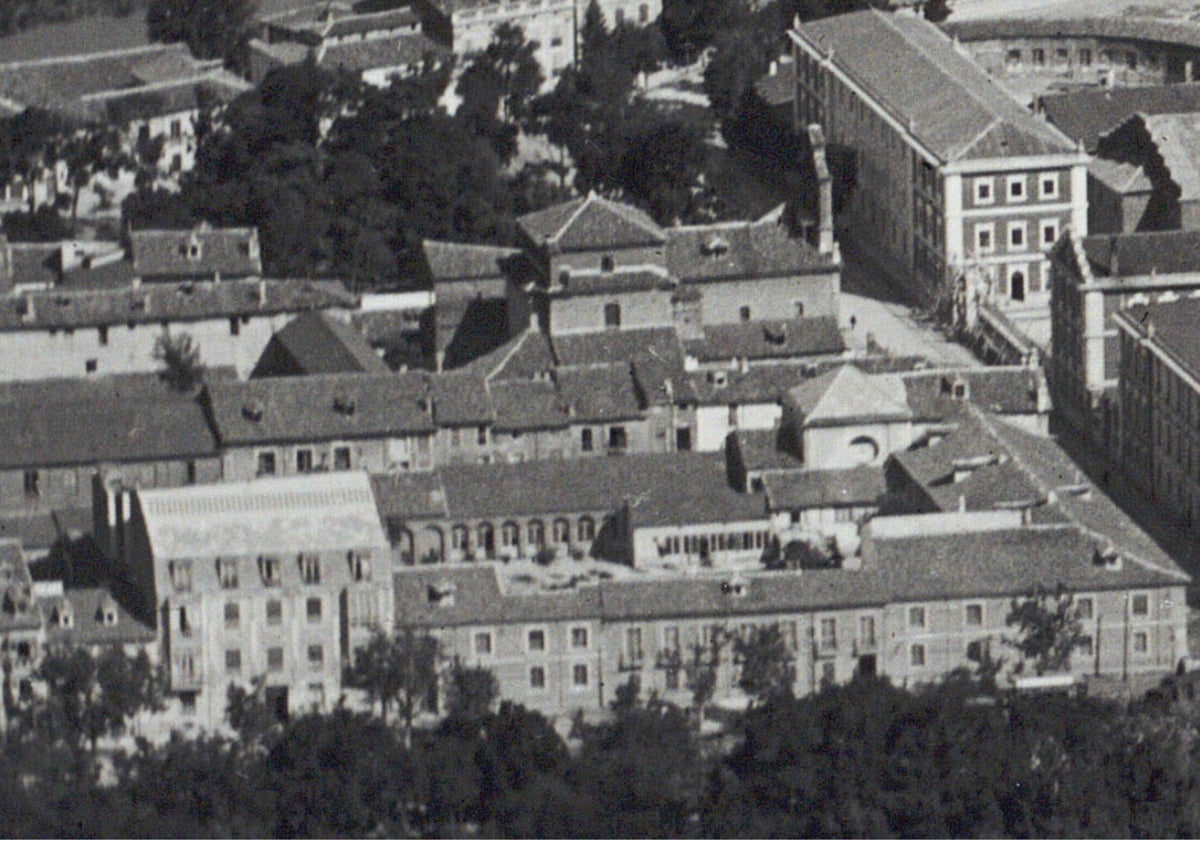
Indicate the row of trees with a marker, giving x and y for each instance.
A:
(18, 15)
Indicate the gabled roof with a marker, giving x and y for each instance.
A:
(731, 251)
(17, 608)
(1144, 253)
(87, 606)
(1002, 390)
(120, 418)
(591, 223)
(599, 394)
(762, 449)
(527, 406)
(527, 355)
(321, 407)
(1176, 137)
(799, 489)
(846, 394)
(275, 516)
(768, 339)
(451, 261)
(461, 399)
(1086, 114)
(656, 354)
(950, 105)
(200, 252)
(381, 53)
(756, 384)
(318, 343)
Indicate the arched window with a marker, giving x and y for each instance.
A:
(1017, 286)
(436, 542)
(864, 450)
(561, 531)
(460, 538)
(487, 539)
(537, 533)
(510, 534)
(587, 529)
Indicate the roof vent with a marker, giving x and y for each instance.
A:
(774, 334)
(1108, 558)
(343, 404)
(715, 246)
(253, 411)
(187, 288)
(441, 593)
(718, 378)
(735, 586)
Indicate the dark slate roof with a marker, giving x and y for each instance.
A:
(19, 612)
(931, 465)
(322, 344)
(120, 418)
(87, 605)
(661, 488)
(778, 88)
(951, 105)
(591, 223)
(381, 53)
(461, 399)
(599, 394)
(526, 356)
(1120, 27)
(796, 489)
(410, 495)
(1158, 252)
(768, 339)
(451, 261)
(1001, 390)
(34, 531)
(230, 252)
(763, 449)
(34, 263)
(989, 487)
(1170, 327)
(656, 354)
(624, 279)
(757, 384)
(527, 406)
(740, 250)
(992, 563)
(1086, 114)
(321, 407)
(123, 106)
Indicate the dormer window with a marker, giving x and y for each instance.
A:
(715, 247)
(253, 411)
(65, 617)
(106, 614)
(190, 249)
(344, 404)
(718, 378)
(774, 334)
(441, 594)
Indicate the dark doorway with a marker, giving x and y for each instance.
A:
(277, 702)
(683, 438)
(866, 665)
(1018, 286)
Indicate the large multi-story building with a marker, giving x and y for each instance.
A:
(1094, 278)
(945, 176)
(270, 583)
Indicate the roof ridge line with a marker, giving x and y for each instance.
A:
(574, 215)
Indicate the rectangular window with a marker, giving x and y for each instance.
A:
(1048, 186)
(274, 612)
(181, 575)
(1016, 188)
(1085, 607)
(1140, 605)
(90, 366)
(1049, 233)
(481, 436)
(233, 614)
(536, 640)
(312, 609)
(866, 631)
(828, 638)
(983, 191)
(585, 440)
(579, 638)
(304, 461)
(671, 638)
(235, 326)
(103, 331)
(612, 315)
(360, 567)
(537, 677)
(1087, 646)
(617, 439)
(266, 464)
(32, 483)
(916, 655)
(916, 617)
(579, 675)
(1016, 235)
(316, 656)
(633, 645)
(1131, 60)
(341, 458)
(310, 569)
(227, 573)
(975, 615)
(483, 643)
(1085, 58)
(233, 660)
(1039, 56)
(274, 659)
(1141, 642)
(985, 242)
(268, 569)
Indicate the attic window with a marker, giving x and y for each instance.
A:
(441, 594)
(734, 587)
(64, 617)
(360, 567)
(186, 288)
(774, 334)
(606, 263)
(564, 277)
(718, 378)
(343, 404)
(1107, 558)
(253, 411)
(106, 615)
(190, 249)
(715, 247)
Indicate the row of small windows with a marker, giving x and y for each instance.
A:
(275, 658)
(269, 570)
(510, 534)
(1083, 57)
(313, 611)
(985, 188)
(704, 544)
(267, 463)
(985, 235)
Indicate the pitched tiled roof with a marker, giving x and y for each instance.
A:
(599, 394)
(1002, 390)
(126, 105)
(1144, 253)
(461, 399)
(796, 489)
(1170, 327)
(381, 53)
(757, 384)
(270, 515)
(320, 407)
(656, 354)
(526, 356)
(1120, 176)
(661, 488)
(847, 394)
(1121, 27)
(740, 250)
(931, 465)
(88, 606)
(763, 449)
(591, 223)
(34, 263)
(778, 88)
(230, 252)
(410, 495)
(768, 339)
(527, 406)
(950, 104)
(35, 531)
(989, 487)
(322, 344)
(188, 301)
(1086, 114)
(120, 418)
(450, 261)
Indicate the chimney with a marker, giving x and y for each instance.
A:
(824, 191)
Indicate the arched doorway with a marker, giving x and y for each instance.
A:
(1017, 286)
